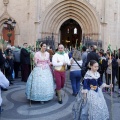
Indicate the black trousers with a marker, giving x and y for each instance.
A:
(16, 68)
(25, 72)
(119, 78)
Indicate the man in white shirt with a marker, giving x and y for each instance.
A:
(59, 61)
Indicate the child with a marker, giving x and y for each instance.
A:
(92, 90)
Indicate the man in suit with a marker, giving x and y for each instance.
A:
(93, 55)
(25, 62)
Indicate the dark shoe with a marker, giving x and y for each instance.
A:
(74, 94)
(11, 83)
(59, 96)
(4, 89)
(60, 102)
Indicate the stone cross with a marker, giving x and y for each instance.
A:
(5, 2)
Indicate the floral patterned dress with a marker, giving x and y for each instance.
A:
(92, 85)
(40, 85)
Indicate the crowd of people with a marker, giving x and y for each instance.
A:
(44, 73)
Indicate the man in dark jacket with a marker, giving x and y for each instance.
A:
(25, 62)
(93, 55)
(102, 64)
(2, 60)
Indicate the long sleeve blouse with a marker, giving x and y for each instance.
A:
(42, 61)
(59, 59)
(74, 66)
(92, 82)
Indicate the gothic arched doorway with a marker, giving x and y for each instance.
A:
(71, 33)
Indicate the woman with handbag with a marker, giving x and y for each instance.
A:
(75, 72)
(92, 90)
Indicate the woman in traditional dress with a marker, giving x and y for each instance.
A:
(92, 89)
(40, 85)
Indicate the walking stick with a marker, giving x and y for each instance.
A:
(111, 89)
(118, 76)
(31, 83)
(4, 58)
(31, 89)
(65, 86)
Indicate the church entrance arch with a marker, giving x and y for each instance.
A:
(61, 11)
(70, 33)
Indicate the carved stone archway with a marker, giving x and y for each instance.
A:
(61, 10)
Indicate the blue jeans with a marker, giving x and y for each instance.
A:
(75, 77)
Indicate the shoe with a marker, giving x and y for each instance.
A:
(60, 101)
(4, 89)
(74, 94)
(11, 83)
(59, 97)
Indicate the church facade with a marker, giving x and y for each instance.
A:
(70, 21)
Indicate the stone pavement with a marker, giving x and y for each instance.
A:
(17, 107)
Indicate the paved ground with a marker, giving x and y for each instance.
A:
(17, 107)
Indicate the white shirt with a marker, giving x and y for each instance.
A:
(3, 83)
(58, 60)
(74, 66)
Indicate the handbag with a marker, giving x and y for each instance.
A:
(83, 69)
(80, 108)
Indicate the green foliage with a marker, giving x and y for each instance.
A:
(37, 45)
(109, 48)
(3, 42)
(81, 46)
(9, 34)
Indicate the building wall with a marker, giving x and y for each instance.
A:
(23, 11)
(29, 16)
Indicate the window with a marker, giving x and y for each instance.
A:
(75, 30)
(68, 30)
